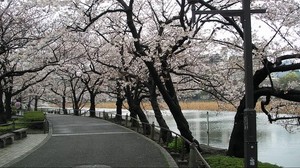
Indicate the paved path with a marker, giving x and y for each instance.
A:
(21, 148)
(89, 142)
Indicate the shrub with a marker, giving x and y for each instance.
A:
(34, 116)
(176, 147)
(219, 161)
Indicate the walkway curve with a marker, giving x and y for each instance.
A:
(90, 142)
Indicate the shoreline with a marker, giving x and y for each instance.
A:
(185, 105)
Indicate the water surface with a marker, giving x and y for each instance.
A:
(275, 144)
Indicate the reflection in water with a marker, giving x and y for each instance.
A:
(275, 144)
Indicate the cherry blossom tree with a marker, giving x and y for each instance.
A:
(158, 34)
(57, 91)
(270, 50)
(25, 37)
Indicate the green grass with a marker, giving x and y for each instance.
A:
(219, 161)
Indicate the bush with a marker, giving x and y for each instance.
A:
(219, 161)
(176, 147)
(34, 116)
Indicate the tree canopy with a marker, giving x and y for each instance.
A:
(136, 50)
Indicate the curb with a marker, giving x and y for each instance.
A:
(31, 150)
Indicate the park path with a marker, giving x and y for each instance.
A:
(90, 142)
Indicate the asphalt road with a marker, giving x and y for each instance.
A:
(89, 142)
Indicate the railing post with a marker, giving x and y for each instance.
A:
(126, 120)
(207, 129)
(160, 136)
(44, 126)
(176, 143)
(14, 125)
(192, 156)
(152, 130)
(182, 151)
(138, 127)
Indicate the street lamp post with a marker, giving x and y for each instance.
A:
(250, 139)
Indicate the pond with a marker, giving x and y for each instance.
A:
(275, 144)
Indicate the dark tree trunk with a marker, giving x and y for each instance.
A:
(29, 103)
(236, 143)
(76, 109)
(136, 110)
(133, 117)
(8, 104)
(93, 105)
(36, 100)
(143, 119)
(119, 104)
(75, 104)
(165, 134)
(3, 118)
(64, 105)
(171, 100)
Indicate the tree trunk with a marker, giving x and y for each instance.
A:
(145, 123)
(165, 134)
(119, 104)
(236, 143)
(3, 118)
(8, 104)
(172, 103)
(64, 105)
(36, 100)
(76, 107)
(93, 105)
(136, 110)
(75, 103)
(29, 103)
